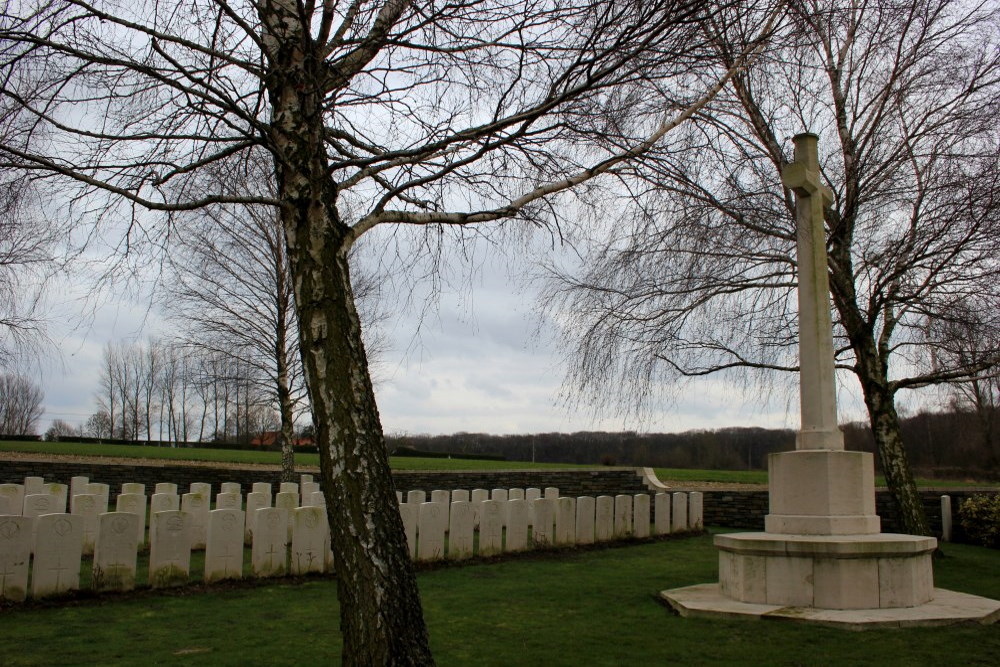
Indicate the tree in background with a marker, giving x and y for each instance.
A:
(699, 276)
(229, 292)
(60, 430)
(20, 405)
(374, 114)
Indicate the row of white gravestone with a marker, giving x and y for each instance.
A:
(13, 496)
(36, 497)
(58, 541)
(449, 528)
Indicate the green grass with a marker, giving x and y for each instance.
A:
(256, 457)
(397, 462)
(577, 608)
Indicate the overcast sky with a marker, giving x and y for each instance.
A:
(477, 362)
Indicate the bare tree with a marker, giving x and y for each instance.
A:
(62, 430)
(99, 425)
(27, 240)
(699, 277)
(374, 113)
(967, 336)
(20, 405)
(230, 292)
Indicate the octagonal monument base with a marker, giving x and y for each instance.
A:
(855, 581)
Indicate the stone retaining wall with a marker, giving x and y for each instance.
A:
(746, 509)
(573, 482)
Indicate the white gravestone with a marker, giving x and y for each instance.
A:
(14, 494)
(679, 517)
(308, 488)
(287, 500)
(515, 494)
(502, 496)
(661, 514)
(231, 487)
(460, 494)
(77, 486)
(265, 489)
(203, 488)
(585, 516)
(87, 507)
(136, 504)
(58, 549)
(288, 487)
(565, 521)
(169, 548)
(551, 492)
(134, 487)
(477, 498)
(416, 496)
(696, 511)
(61, 493)
(460, 530)
(5, 506)
(306, 478)
(255, 500)
(399, 496)
(164, 502)
(227, 500)
(604, 519)
(442, 498)
(640, 515)
(315, 499)
(430, 531)
(116, 551)
(623, 516)
(408, 513)
(224, 547)
(490, 528)
(15, 554)
(35, 505)
(542, 531)
(196, 505)
(530, 496)
(34, 486)
(517, 525)
(269, 554)
(309, 540)
(165, 487)
(103, 493)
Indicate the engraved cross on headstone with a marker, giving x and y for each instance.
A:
(817, 384)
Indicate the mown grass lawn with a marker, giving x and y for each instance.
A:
(594, 607)
(397, 462)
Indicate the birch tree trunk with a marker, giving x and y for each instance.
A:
(381, 616)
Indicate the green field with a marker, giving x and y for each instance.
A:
(397, 462)
(596, 607)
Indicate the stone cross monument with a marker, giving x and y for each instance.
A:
(822, 553)
(817, 385)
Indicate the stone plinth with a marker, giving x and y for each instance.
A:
(822, 492)
(827, 571)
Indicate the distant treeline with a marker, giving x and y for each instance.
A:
(724, 449)
(946, 443)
